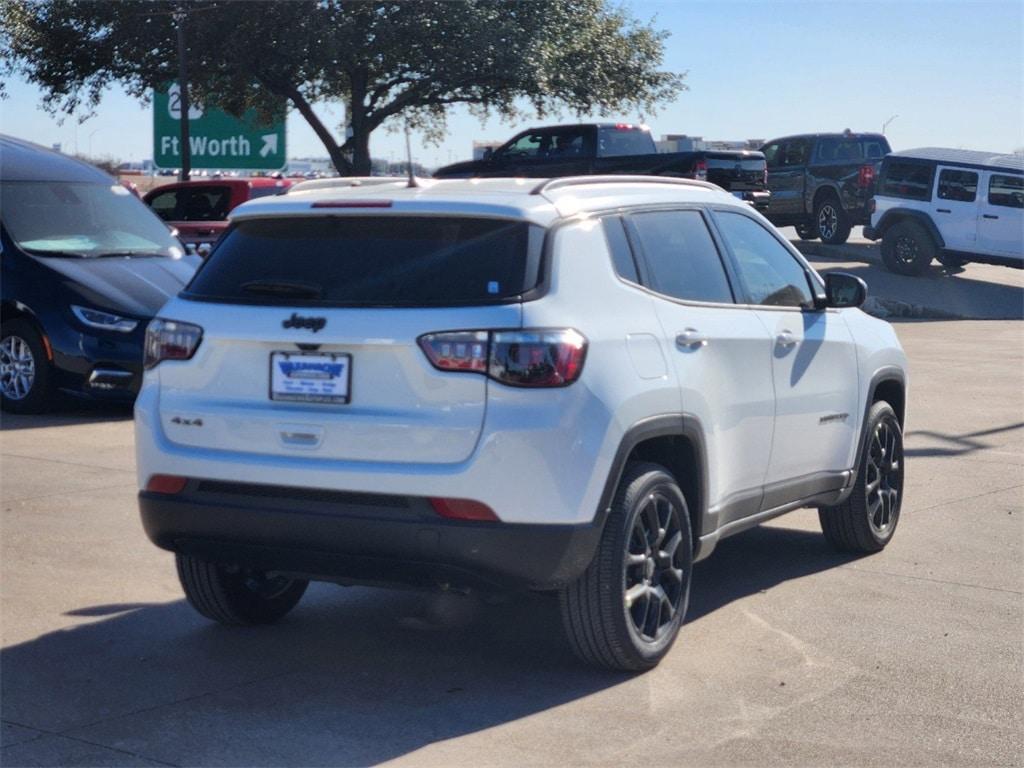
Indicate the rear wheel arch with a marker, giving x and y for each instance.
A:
(894, 216)
(676, 442)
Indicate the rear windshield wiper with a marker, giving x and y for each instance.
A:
(284, 288)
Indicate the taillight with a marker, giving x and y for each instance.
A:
(866, 176)
(701, 170)
(528, 358)
(170, 340)
(463, 509)
(766, 177)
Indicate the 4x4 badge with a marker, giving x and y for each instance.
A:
(298, 321)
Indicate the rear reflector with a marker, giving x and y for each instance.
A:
(166, 484)
(463, 509)
(352, 204)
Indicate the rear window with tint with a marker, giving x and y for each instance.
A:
(372, 261)
(908, 180)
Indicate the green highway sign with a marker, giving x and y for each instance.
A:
(217, 139)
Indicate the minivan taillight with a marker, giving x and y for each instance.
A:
(866, 176)
(170, 340)
(700, 170)
(528, 358)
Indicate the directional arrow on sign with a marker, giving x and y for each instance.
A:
(269, 145)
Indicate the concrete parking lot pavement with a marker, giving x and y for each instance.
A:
(792, 655)
(978, 292)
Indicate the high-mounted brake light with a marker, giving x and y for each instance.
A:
(527, 358)
(701, 170)
(352, 204)
(170, 340)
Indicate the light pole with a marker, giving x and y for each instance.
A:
(886, 123)
(180, 14)
(93, 133)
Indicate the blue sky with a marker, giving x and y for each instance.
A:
(952, 71)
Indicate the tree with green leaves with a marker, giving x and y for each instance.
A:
(386, 61)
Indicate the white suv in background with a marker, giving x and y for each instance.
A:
(577, 385)
(953, 205)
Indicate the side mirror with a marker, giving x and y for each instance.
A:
(844, 290)
(203, 249)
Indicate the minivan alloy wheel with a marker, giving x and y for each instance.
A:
(17, 368)
(653, 582)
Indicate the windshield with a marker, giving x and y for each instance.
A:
(372, 261)
(59, 218)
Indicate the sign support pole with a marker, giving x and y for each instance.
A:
(186, 154)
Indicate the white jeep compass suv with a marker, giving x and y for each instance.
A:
(578, 385)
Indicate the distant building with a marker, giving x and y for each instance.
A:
(480, 146)
(680, 142)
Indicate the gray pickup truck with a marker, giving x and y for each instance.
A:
(615, 148)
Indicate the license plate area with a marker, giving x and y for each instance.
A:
(311, 377)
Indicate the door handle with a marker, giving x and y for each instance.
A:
(943, 210)
(691, 338)
(988, 216)
(785, 339)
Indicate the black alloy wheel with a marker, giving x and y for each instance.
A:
(866, 520)
(625, 610)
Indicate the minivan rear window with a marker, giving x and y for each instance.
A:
(372, 261)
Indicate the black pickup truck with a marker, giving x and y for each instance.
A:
(821, 182)
(615, 148)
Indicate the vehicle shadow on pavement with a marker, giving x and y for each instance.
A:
(956, 445)
(354, 676)
(754, 562)
(66, 414)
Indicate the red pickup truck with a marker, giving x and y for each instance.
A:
(199, 209)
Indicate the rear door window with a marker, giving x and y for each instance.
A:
(909, 180)
(203, 203)
(614, 141)
(681, 256)
(961, 186)
(372, 261)
(1007, 191)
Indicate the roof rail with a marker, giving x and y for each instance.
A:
(572, 181)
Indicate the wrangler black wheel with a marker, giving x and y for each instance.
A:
(625, 611)
(867, 520)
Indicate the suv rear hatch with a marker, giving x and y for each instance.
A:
(310, 327)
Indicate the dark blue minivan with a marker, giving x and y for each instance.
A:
(85, 266)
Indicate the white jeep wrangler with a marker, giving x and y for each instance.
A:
(953, 205)
(577, 385)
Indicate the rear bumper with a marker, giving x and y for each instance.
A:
(759, 199)
(362, 538)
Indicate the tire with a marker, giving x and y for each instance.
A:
(26, 376)
(607, 612)
(907, 248)
(807, 232)
(867, 520)
(234, 596)
(830, 221)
